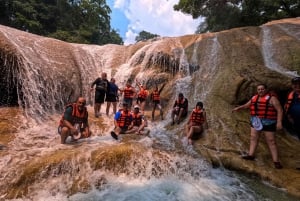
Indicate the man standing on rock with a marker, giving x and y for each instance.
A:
(102, 87)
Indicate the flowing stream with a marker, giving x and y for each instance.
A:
(165, 167)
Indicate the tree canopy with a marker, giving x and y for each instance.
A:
(225, 14)
(78, 21)
(144, 35)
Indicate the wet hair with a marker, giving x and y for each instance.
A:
(261, 84)
(200, 104)
(296, 80)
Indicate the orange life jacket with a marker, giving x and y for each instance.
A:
(77, 116)
(128, 92)
(155, 96)
(290, 99)
(143, 93)
(197, 116)
(137, 119)
(125, 119)
(262, 108)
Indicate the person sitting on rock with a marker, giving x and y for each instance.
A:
(180, 109)
(196, 124)
(122, 121)
(139, 122)
(74, 121)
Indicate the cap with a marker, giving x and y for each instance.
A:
(136, 107)
(295, 80)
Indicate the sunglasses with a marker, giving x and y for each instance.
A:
(81, 103)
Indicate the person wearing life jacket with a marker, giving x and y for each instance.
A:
(139, 122)
(155, 97)
(128, 93)
(180, 109)
(196, 124)
(141, 96)
(292, 107)
(122, 121)
(102, 87)
(265, 109)
(74, 121)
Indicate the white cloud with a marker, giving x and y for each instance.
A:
(155, 16)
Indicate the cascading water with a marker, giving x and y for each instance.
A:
(155, 167)
(269, 54)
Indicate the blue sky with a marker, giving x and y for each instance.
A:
(130, 17)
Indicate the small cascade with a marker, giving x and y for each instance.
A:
(269, 54)
(291, 30)
(208, 68)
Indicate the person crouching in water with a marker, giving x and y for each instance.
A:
(74, 121)
(122, 121)
(180, 109)
(196, 124)
(139, 122)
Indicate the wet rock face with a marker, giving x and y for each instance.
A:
(221, 69)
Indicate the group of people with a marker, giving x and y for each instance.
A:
(267, 116)
(265, 110)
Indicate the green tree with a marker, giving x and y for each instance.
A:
(79, 21)
(144, 35)
(225, 14)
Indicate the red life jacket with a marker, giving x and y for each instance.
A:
(77, 116)
(137, 119)
(197, 116)
(262, 108)
(128, 92)
(125, 119)
(155, 96)
(143, 93)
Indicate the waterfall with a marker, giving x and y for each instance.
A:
(159, 166)
(269, 54)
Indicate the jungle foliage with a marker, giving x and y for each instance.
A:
(225, 14)
(78, 21)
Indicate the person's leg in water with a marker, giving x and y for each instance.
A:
(107, 107)
(114, 107)
(160, 111)
(191, 131)
(142, 105)
(153, 110)
(65, 132)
